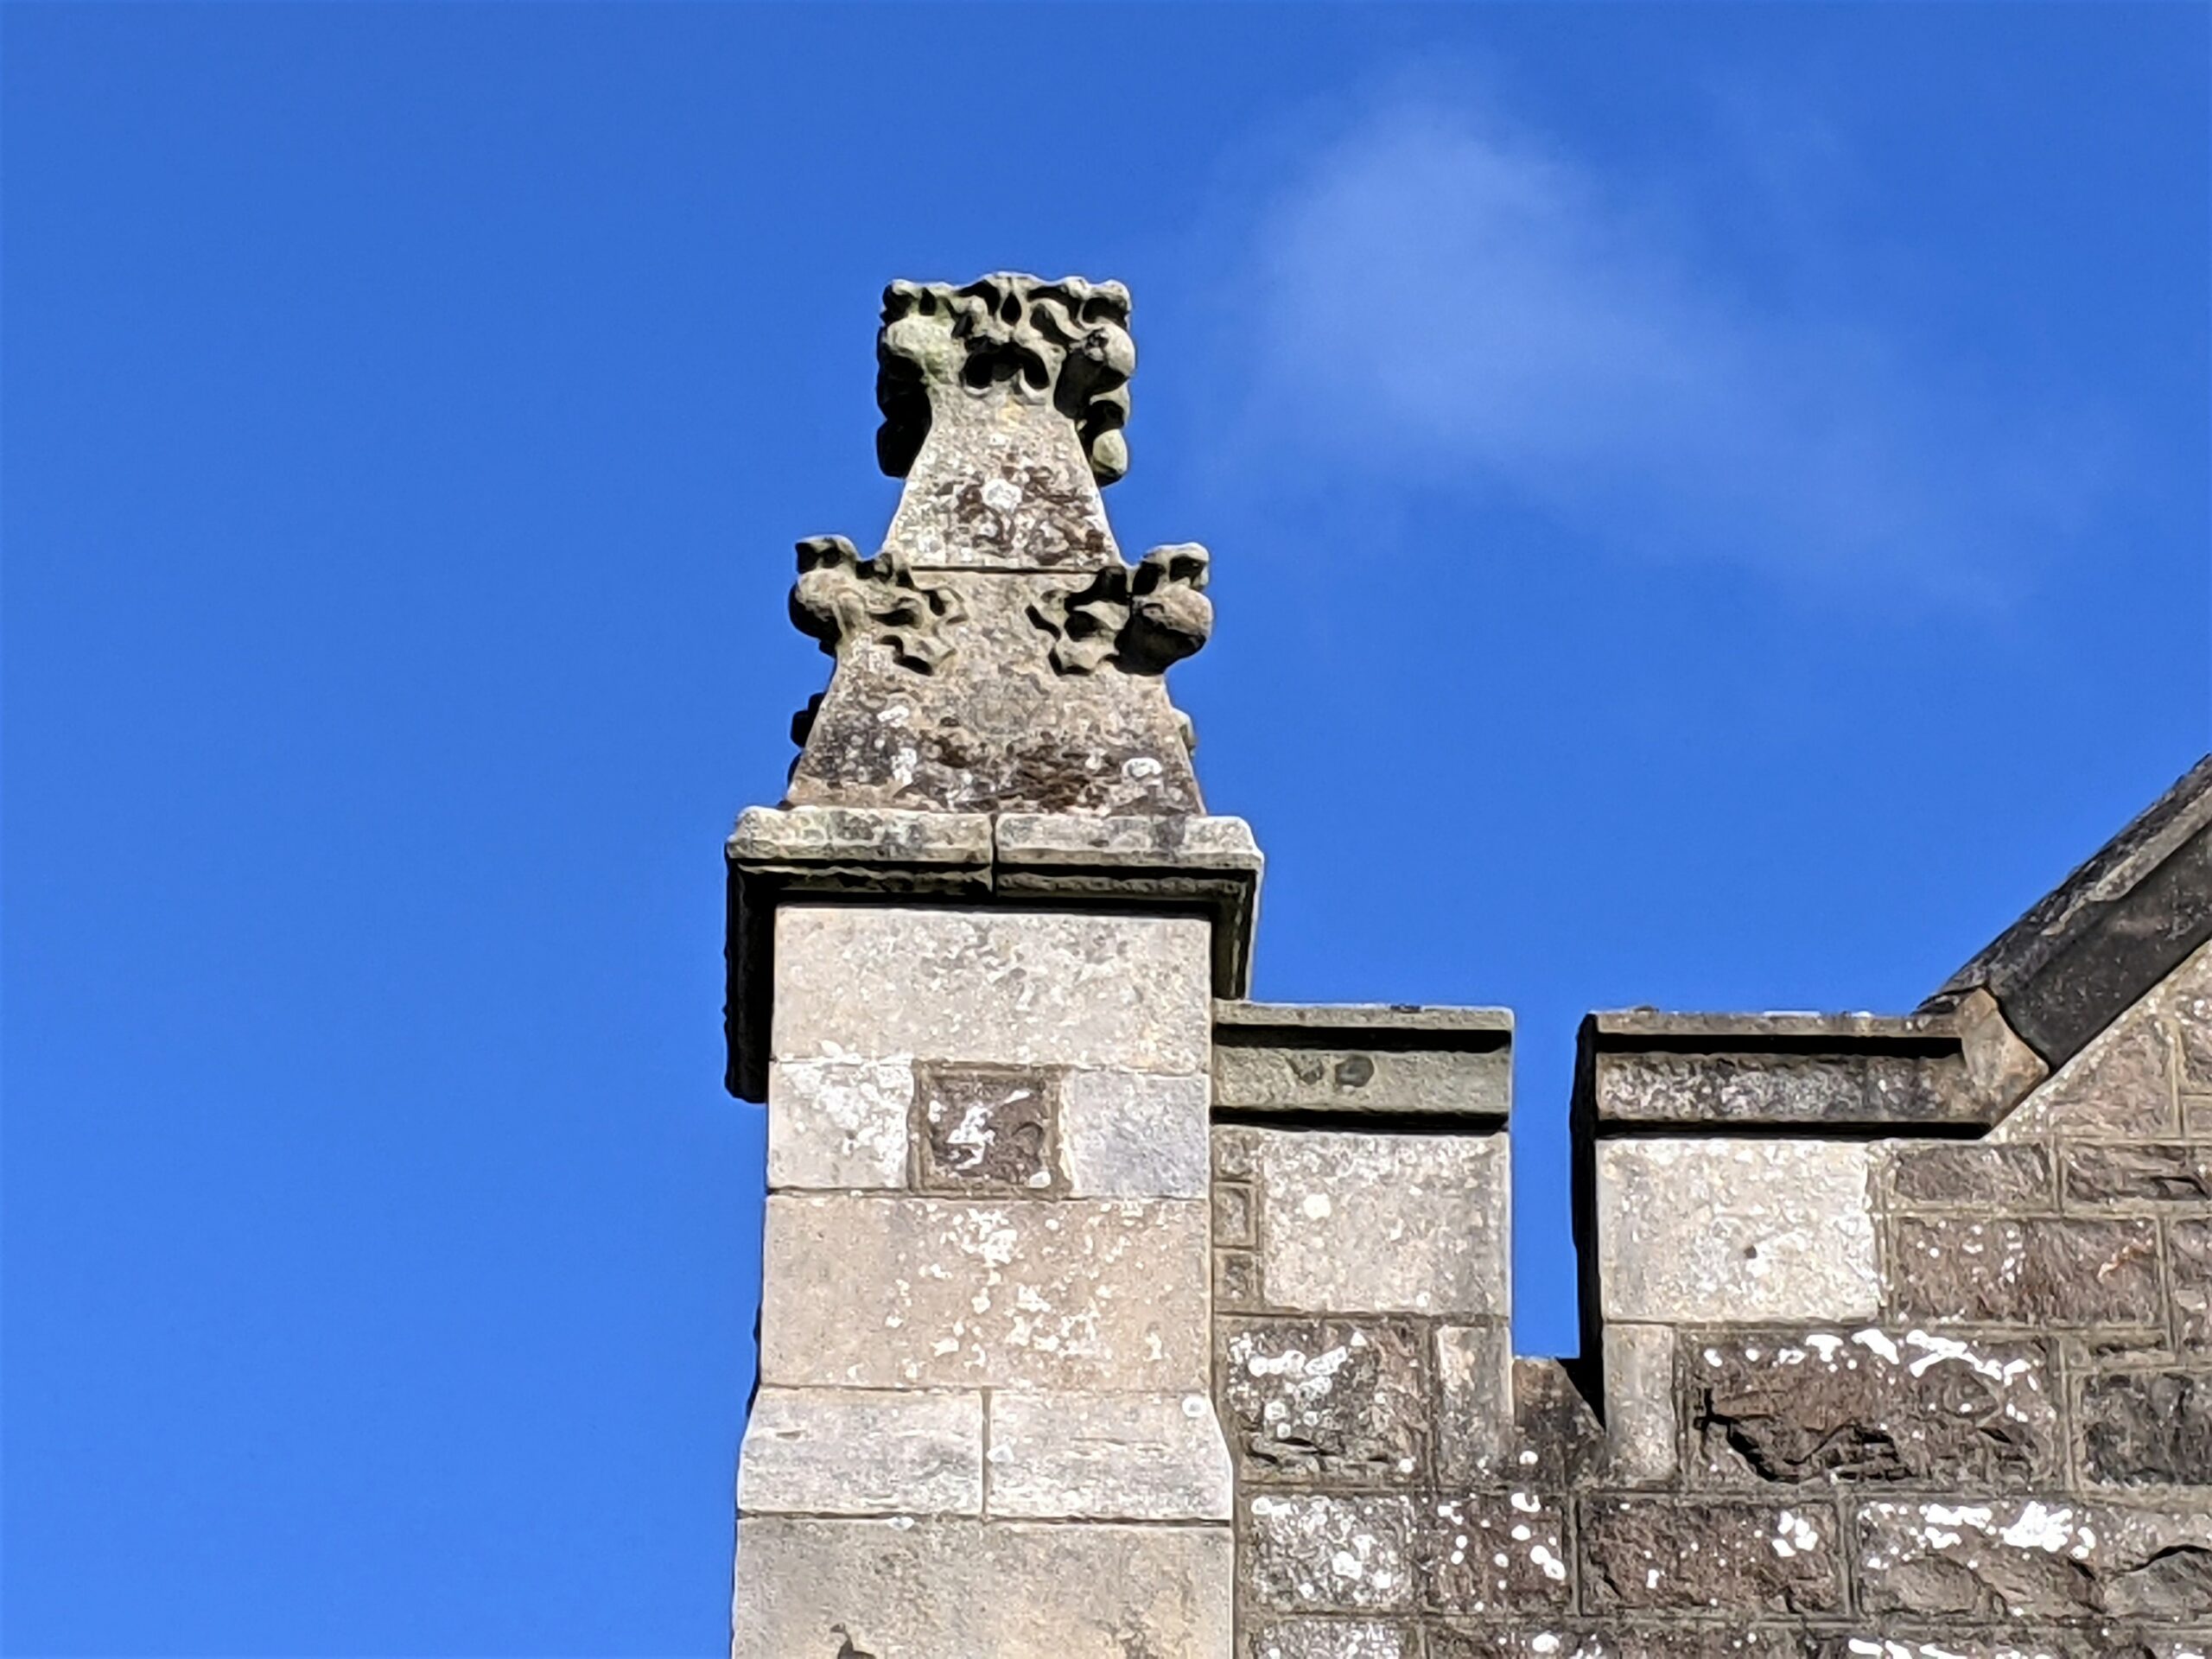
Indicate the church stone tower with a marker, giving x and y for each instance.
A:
(973, 960)
(1108, 1315)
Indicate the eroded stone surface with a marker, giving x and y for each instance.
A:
(2191, 1244)
(2043, 1272)
(1476, 1434)
(2033, 1558)
(1871, 1405)
(1325, 1401)
(2148, 1427)
(1658, 1554)
(889, 1292)
(1133, 1135)
(933, 1589)
(838, 1123)
(1348, 1077)
(1310, 1552)
(1981, 1175)
(1641, 1414)
(1124, 1457)
(1797, 1089)
(862, 1452)
(1385, 1223)
(1493, 1553)
(1703, 1230)
(1041, 987)
(2099, 1172)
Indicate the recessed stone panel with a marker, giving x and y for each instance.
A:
(986, 1128)
(1379, 1223)
(1707, 1230)
(937, 1589)
(2043, 1272)
(1008, 987)
(901, 1292)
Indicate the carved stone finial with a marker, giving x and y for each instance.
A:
(997, 655)
(1141, 621)
(1065, 343)
(841, 597)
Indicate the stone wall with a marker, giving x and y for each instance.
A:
(1943, 1392)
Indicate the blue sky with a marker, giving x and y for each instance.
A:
(1709, 508)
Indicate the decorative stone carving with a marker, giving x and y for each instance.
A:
(1065, 342)
(840, 596)
(1141, 621)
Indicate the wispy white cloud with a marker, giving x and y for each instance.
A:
(1448, 299)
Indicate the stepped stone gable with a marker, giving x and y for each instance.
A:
(1109, 1314)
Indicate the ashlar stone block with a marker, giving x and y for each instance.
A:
(1721, 1230)
(860, 1291)
(1383, 1223)
(838, 1123)
(1010, 987)
(1313, 1554)
(2043, 1271)
(862, 1452)
(1324, 1401)
(945, 1589)
(1120, 1457)
(2047, 1557)
(1653, 1554)
(1133, 1135)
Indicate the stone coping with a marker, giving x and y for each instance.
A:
(1366, 1067)
(1208, 866)
(1642, 1071)
(2096, 944)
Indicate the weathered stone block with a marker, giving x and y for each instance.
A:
(1474, 1422)
(1235, 1153)
(2121, 1085)
(2040, 1271)
(1134, 1135)
(838, 1123)
(1332, 1638)
(2190, 1244)
(1652, 1641)
(2033, 1558)
(1307, 1552)
(1693, 1232)
(1982, 1175)
(902, 1292)
(2099, 1173)
(1350, 1075)
(862, 1452)
(2148, 1428)
(1119, 1457)
(1871, 1405)
(1642, 1422)
(1493, 1554)
(1557, 1442)
(1745, 1559)
(1013, 987)
(1381, 1224)
(986, 1128)
(2188, 998)
(1761, 1088)
(1237, 1285)
(1327, 1402)
(936, 1589)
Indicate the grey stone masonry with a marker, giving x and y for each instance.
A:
(1108, 1314)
